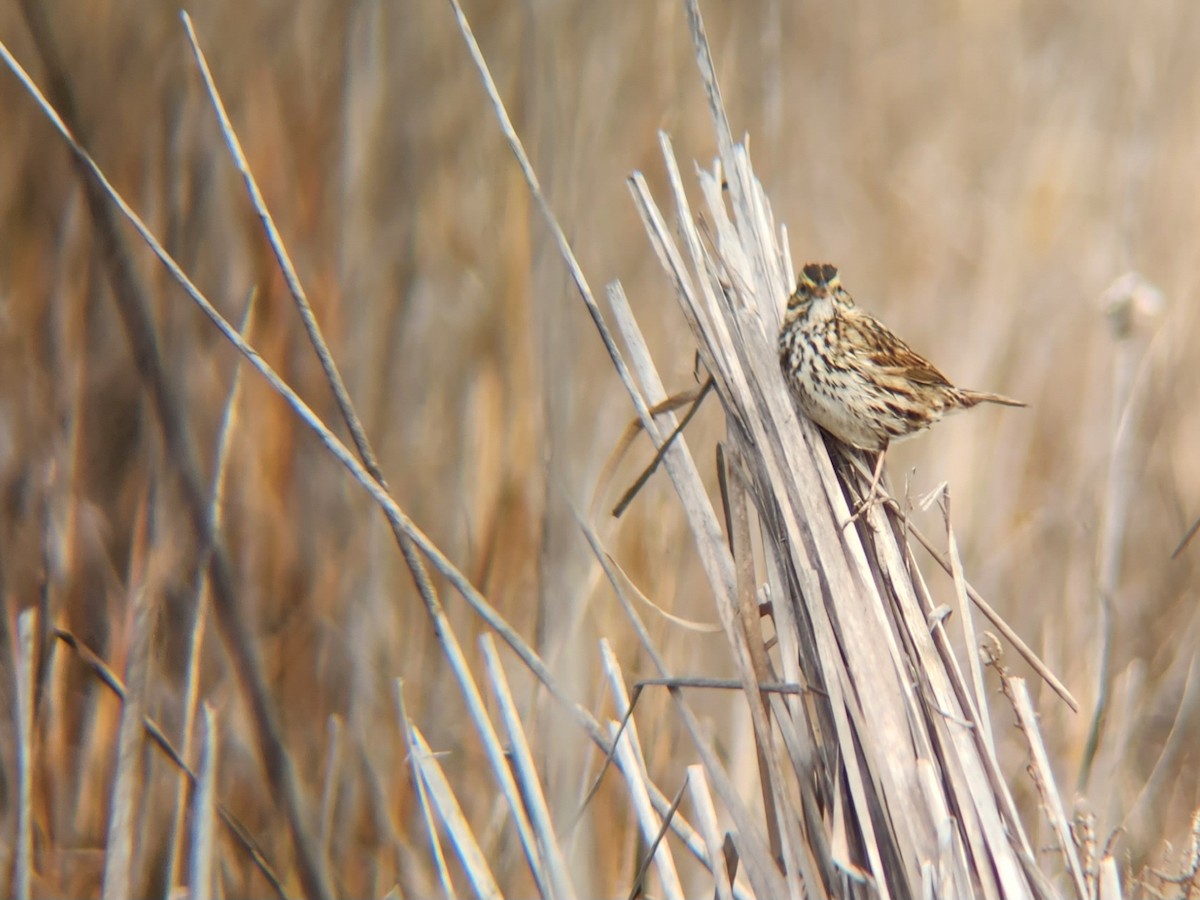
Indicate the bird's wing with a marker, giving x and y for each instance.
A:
(889, 355)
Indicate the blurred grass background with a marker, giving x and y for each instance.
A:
(980, 171)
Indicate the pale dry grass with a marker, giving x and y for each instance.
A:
(981, 174)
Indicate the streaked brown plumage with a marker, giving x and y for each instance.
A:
(853, 377)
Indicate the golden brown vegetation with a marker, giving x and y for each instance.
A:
(982, 173)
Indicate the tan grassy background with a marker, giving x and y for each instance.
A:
(981, 172)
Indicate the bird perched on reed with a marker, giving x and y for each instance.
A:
(854, 377)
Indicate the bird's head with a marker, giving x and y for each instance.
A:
(818, 293)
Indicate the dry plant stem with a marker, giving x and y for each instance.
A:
(802, 754)
(638, 887)
(706, 316)
(45, 638)
(629, 748)
(715, 328)
(435, 845)
(966, 621)
(947, 876)
(179, 444)
(975, 774)
(1186, 539)
(473, 859)
(625, 441)
(110, 680)
(179, 447)
(718, 565)
(705, 310)
(200, 599)
(695, 399)
(866, 633)
(642, 408)
(719, 684)
(1018, 694)
(311, 327)
(331, 780)
(1118, 489)
(203, 868)
(737, 520)
(1179, 740)
(1026, 652)
(498, 761)
(706, 818)
(560, 237)
(689, 624)
(367, 456)
(365, 453)
(119, 844)
(23, 652)
(760, 863)
(953, 738)
(551, 869)
(995, 775)
(996, 619)
(218, 571)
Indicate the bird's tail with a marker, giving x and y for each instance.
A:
(967, 399)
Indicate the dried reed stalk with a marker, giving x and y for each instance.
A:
(886, 776)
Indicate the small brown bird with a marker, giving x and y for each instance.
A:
(856, 379)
